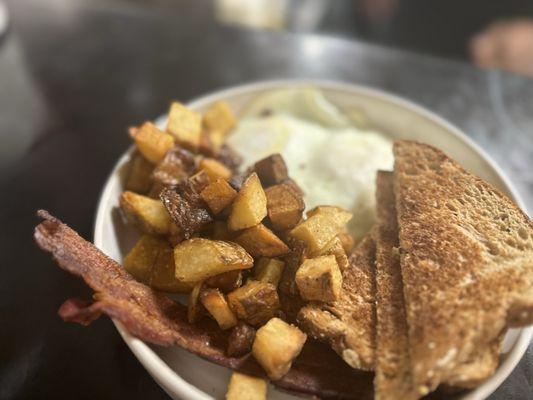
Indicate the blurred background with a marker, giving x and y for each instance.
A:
(74, 74)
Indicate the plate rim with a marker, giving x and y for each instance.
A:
(167, 378)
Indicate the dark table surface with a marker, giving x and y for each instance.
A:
(74, 74)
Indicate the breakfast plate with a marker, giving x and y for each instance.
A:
(185, 376)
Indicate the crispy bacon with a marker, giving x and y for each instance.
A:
(153, 317)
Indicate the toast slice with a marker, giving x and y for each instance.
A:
(348, 324)
(393, 369)
(466, 261)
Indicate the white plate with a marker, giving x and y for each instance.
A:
(186, 376)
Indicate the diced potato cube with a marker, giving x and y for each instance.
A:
(255, 302)
(149, 215)
(269, 270)
(215, 169)
(246, 387)
(199, 181)
(226, 282)
(250, 205)
(285, 206)
(260, 241)
(215, 303)
(276, 345)
(177, 165)
(185, 125)
(240, 340)
(139, 177)
(217, 138)
(319, 279)
(151, 262)
(198, 259)
(323, 224)
(194, 307)
(334, 247)
(219, 117)
(151, 142)
(271, 170)
(218, 195)
(347, 241)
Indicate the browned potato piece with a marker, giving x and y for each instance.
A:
(319, 279)
(149, 215)
(255, 302)
(199, 181)
(151, 142)
(217, 138)
(347, 242)
(260, 241)
(177, 165)
(219, 231)
(276, 345)
(185, 125)
(226, 282)
(334, 247)
(246, 387)
(285, 206)
(215, 169)
(271, 170)
(323, 224)
(269, 270)
(219, 117)
(198, 259)
(218, 195)
(139, 178)
(215, 303)
(240, 340)
(151, 262)
(250, 205)
(194, 307)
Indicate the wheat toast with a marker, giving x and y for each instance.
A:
(466, 260)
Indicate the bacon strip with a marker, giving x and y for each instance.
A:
(153, 317)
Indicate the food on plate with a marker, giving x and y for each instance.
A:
(151, 261)
(246, 387)
(321, 226)
(147, 214)
(240, 340)
(218, 195)
(185, 125)
(408, 300)
(250, 205)
(177, 165)
(269, 270)
(393, 370)
(348, 324)
(276, 345)
(197, 259)
(319, 279)
(260, 241)
(155, 318)
(332, 159)
(140, 174)
(215, 303)
(215, 169)
(219, 117)
(255, 302)
(227, 281)
(285, 206)
(194, 306)
(271, 170)
(186, 208)
(471, 239)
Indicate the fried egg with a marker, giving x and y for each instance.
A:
(332, 160)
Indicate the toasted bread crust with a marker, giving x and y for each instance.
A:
(460, 238)
(393, 375)
(348, 324)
